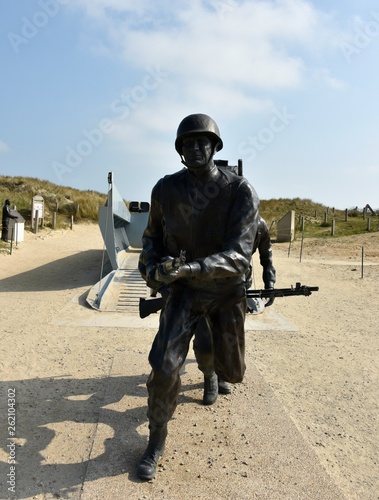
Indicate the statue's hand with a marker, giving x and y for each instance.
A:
(170, 270)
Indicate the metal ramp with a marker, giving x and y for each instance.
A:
(120, 290)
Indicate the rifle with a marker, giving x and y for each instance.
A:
(272, 293)
(154, 304)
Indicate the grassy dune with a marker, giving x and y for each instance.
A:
(68, 202)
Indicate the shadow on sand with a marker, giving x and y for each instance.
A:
(51, 460)
(75, 271)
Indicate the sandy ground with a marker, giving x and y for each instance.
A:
(303, 424)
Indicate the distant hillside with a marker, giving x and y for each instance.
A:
(66, 201)
(317, 218)
(83, 205)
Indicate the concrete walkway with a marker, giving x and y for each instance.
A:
(245, 446)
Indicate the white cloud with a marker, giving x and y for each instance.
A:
(254, 44)
(101, 9)
(227, 58)
(365, 170)
(3, 147)
(323, 75)
(373, 170)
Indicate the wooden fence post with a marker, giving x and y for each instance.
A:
(363, 253)
(36, 222)
(289, 246)
(301, 247)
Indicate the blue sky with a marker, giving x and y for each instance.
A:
(89, 87)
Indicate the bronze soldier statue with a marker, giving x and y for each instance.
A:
(197, 249)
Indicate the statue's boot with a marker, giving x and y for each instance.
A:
(147, 467)
(210, 389)
(224, 387)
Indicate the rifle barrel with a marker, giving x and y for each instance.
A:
(282, 292)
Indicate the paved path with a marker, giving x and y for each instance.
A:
(245, 446)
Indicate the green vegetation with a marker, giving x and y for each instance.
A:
(318, 218)
(65, 201)
(68, 202)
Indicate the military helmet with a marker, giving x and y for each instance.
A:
(198, 124)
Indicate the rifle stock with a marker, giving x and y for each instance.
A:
(154, 304)
(150, 306)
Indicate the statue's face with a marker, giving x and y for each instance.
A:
(197, 151)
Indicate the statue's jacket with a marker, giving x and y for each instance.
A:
(213, 219)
